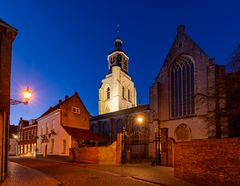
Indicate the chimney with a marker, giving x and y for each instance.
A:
(59, 101)
(66, 97)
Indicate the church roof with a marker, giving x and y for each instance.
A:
(139, 108)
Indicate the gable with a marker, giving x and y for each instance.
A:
(183, 45)
(74, 113)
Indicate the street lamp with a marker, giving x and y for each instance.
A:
(140, 121)
(123, 157)
(158, 138)
(27, 94)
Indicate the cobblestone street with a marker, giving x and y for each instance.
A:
(64, 173)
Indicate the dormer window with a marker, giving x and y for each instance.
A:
(76, 110)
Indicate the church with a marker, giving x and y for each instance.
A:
(180, 107)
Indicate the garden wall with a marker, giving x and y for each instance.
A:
(209, 161)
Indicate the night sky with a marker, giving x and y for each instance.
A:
(62, 46)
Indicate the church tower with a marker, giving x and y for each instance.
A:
(117, 90)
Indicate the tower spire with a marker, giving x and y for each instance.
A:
(118, 30)
(118, 42)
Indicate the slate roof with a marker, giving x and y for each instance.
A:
(83, 134)
(139, 108)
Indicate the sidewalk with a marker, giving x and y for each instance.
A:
(19, 175)
(159, 175)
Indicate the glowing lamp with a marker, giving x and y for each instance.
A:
(27, 94)
(140, 119)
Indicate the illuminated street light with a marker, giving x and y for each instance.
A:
(15, 136)
(27, 94)
(140, 119)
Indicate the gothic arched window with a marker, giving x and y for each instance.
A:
(123, 92)
(182, 87)
(108, 93)
(129, 95)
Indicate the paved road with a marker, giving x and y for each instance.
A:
(91, 174)
(68, 174)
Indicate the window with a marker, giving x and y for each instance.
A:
(29, 148)
(125, 66)
(108, 93)
(123, 92)
(64, 146)
(129, 95)
(119, 58)
(42, 130)
(22, 149)
(25, 148)
(53, 124)
(46, 128)
(182, 88)
(76, 110)
(32, 148)
(25, 135)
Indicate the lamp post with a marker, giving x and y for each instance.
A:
(158, 158)
(140, 121)
(123, 157)
(27, 94)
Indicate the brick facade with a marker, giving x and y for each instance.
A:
(208, 161)
(27, 138)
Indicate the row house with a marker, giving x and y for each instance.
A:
(27, 138)
(56, 125)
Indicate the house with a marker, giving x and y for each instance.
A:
(57, 124)
(27, 137)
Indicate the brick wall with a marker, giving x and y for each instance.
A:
(101, 155)
(209, 161)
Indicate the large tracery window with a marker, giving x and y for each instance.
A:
(108, 93)
(182, 88)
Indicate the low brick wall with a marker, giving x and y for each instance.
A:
(209, 161)
(101, 155)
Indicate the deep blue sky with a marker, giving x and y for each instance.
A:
(62, 45)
